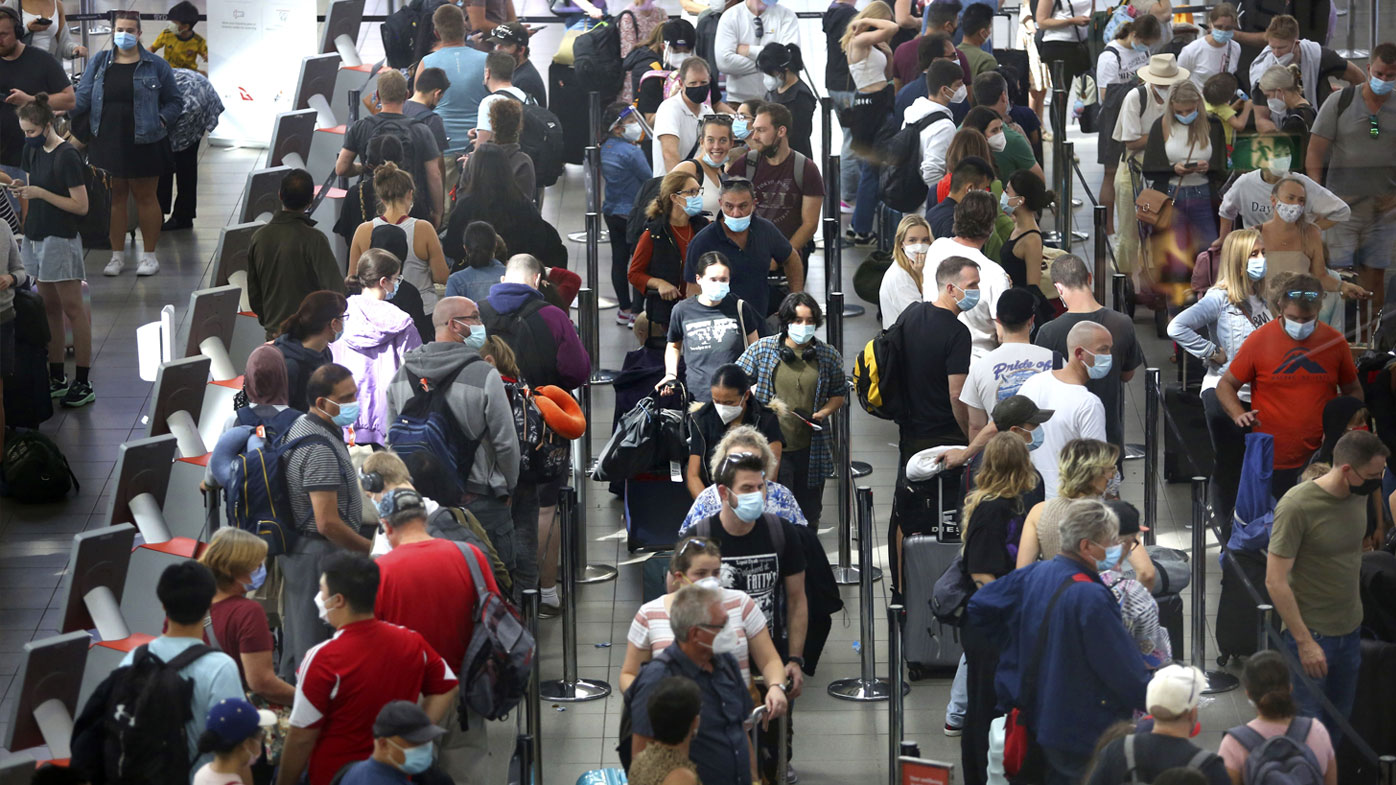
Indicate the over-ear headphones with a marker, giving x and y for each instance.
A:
(372, 482)
(808, 354)
(13, 16)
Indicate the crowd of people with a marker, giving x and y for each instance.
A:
(418, 389)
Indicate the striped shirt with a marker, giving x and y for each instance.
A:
(650, 631)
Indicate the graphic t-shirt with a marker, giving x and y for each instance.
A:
(1291, 381)
(998, 374)
(751, 564)
(711, 336)
(778, 198)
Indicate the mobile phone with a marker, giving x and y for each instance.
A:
(44, 21)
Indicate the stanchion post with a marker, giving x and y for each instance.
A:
(1387, 762)
(1118, 292)
(832, 167)
(570, 688)
(1153, 395)
(532, 599)
(1101, 251)
(895, 707)
(1060, 163)
(831, 239)
(1262, 624)
(1064, 198)
(1217, 681)
(845, 572)
(866, 686)
(581, 481)
(826, 131)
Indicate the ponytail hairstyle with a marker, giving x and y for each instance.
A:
(1266, 679)
(391, 184)
(480, 244)
(1145, 27)
(37, 112)
(502, 355)
(776, 57)
(314, 315)
(375, 265)
(1028, 185)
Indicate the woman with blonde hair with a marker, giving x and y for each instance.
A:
(425, 263)
(1294, 244)
(901, 284)
(779, 500)
(866, 44)
(238, 561)
(656, 265)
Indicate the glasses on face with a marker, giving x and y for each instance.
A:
(690, 192)
(1308, 297)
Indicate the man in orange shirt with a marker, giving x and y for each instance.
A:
(1294, 365)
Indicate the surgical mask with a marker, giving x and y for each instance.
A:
(693, 205)
(1280, 163)
(1186, 119)
(348, 413)
(321, 609)
(1223, 36)
(998, 142)
(772, 82)
(725, 642)
(1112, 557)
(1139, 47)
(749, 506)
(259, 576)
(1381, 86)
(1255, 268)
(675, 59)
(800, 333)
(1004, 205)
(740, 128)
(418, 759)
(737, 224)
(970, 299)
(1367, 488)
(697, 94)
(1299, 330)
(915, 250)
(124, 40)
(710, 583)
(389, 294)
(715, 290)
(1284, 59)
(1101, 369)
(708, 159)
(1037, 435)
(727, 412)
(1276, 105)
(337, 335)
(959, 96)
(477, 336)
(1289, 213)
(36, 142)
(631, 132)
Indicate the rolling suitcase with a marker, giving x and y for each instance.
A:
(1187, 446)
(653, 511)
(570, 105)
(1371, 713)
(931, 646)
(1236, 614)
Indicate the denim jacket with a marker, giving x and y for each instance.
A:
(158, 99)
(1227, 325)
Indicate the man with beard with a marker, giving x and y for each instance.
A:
(24, 72)
(789, 190)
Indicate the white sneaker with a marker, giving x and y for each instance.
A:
(149, 265)
(115, 266)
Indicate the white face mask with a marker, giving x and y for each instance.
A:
(772, 82)
(1289, 213)
(676, 59)
(726, 412)
(726, 641)
(320, 607)
(1284, 59)
(959, 96)
(1276, 105)
(998, 142)
(916, 252)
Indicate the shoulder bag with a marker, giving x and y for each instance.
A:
(1155, 208)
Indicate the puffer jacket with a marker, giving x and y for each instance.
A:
(1227, 325)
(377, 336)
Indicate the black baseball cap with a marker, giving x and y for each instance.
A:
(1015, 307)
(510, 33)
(1016, 411)
(679, 32)
(407, 720)
(1128, 515)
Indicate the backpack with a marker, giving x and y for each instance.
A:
(596, 58)
(35, 470)
(258, 500)
(426, 423)
(900, 185)
(543, 453)
(1197, 761)
(951, 592)
(541, 138)
(400, 128)
(1279, 760)
(408, 31)
(132, 729)
(499, 660)
(460, 525)
(875, 376)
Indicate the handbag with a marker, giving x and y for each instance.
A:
(1155, 208)
(648, 436)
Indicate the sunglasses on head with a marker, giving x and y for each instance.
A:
(1306, 296)
(720, 119)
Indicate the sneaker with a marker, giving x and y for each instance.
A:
(114, 267)
(79, 394)
(953, 730)
(57, 388)
(791, 777)
(865, 240)
(623, 318)
(546, 611)
(149, 266)
(845, 208)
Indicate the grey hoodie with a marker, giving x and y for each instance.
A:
(479, 403)
(10, 264)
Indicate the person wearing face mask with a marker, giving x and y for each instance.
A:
(968, 169)
(404, 745)
(755, 249)
(781, 65)
(1294, 365)
(652, 66)
(945, 85)
(1347, 155)
(326, 505)
(1138, 609)
(717, 135)
(676, 120)
(742, 30)
(626, 170)
(1173, 697)
(1293, 244)
(806, 376)
(132, 101)
(345, 682)
(1313, 568)
(1213, 330)
(304, 341)
(1114, 77)
(1289, 110)
(1092, 675)
(1080, 413)
(710, 330)
(377, 335)
(788, 187)
(656, 266)
(1023, 200)
(1215, 52)
(731, 406)
(234, 735)
(975, 219)
(1249, 202)
(1185, 158)
(1285, 45)
(901, 284)
(780, 502)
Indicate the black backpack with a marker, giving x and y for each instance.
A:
(400, 128)
(899, 184)
(543, 453)
(408, 31)
(35, 470)
(132, 730)
(596, 58)
(541, 137)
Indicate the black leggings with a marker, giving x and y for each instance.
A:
(620, 263)
(1228, 450)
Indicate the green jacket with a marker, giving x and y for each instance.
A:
(288, 259)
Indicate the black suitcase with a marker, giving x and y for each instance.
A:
(654, 510)
(1170, 617)
(1371, 716)
(27, 401)
(1236, 614)
(568, 101)
(1187, 447)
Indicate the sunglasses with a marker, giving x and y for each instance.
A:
(693, 542)
(720, 119)
(1308, 297)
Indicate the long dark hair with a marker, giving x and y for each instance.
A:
(490, 179)
(479, 243)
(315, 313)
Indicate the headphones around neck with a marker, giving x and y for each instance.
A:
(808, 354)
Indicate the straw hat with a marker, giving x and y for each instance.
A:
(1163, 70)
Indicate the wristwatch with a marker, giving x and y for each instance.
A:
(798, 661)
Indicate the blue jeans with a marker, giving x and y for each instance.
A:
(865, 210)
(1344, 655)
(959, 696)
(848, 165)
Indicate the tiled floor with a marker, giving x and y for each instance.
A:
(836, 741)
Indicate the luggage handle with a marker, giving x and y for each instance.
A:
(754, 725)
(945, 529)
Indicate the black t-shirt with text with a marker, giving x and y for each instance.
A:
(751, 564)
(34, 71)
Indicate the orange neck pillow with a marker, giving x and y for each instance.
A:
(560, 411)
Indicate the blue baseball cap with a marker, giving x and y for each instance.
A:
(235, 720)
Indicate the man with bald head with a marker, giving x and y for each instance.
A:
(483, 421)
(1077, 412)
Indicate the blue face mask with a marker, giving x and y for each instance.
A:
(749, 506)
(348, 413)
(1255, 268)
(693, 205)
(1186, 119)
(477, 336)
(1299, 331)
(1223, 36)
(737, 224)
(970, 299)
(708, 159)
(1112, 557)
(124, 40)
(416, 760)
(800, 333)
(391, 293)
(740, 129)
(1381, 86)
(1101, 369)
(1037, 435)
(1004, 205)
(1139, 47)
(259, 576)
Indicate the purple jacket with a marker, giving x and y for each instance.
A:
(573, 363)
(376, 336)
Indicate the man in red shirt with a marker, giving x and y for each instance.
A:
(344, 682)
(427, 587)
(1295, 365)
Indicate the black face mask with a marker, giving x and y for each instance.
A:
(697, 94)
(1367, 488)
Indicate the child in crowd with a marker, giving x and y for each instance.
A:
(1221, 98)
(183, 47)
